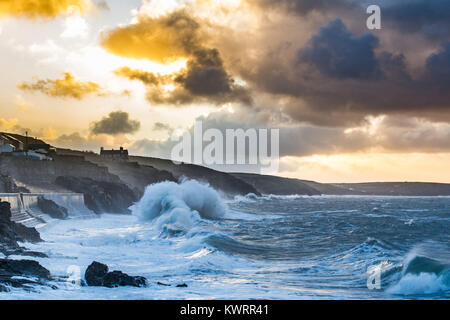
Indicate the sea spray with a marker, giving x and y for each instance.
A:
(177, 206)
(426, 270)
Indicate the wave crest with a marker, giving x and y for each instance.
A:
(179, 200)
(425, 271)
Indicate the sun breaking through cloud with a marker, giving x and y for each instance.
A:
(34, 9)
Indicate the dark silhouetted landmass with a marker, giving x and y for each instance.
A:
(112, 185)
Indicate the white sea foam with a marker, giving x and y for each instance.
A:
(179, 200)
(423, 283)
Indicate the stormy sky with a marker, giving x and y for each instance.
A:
(351, 104)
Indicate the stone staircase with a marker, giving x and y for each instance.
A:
(28, 219)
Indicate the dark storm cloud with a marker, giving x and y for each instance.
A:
(337, 53)
(304, 7)
(430, 17)
(336, 75)
(203, 80)
(205, 74)
(438, 66)
(340, 77)
(115, 123)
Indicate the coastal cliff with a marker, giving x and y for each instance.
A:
(112, 186)
(221, 181)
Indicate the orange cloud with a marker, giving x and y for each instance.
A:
(69, 87)
(148, 78)
(42, 8)
(167, 38)
(163, 39)
(12, 124)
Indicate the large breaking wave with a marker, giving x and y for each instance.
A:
(426, 271)
(179, 198)
(177, 207)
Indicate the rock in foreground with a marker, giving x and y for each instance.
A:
(11, 232)
(97, 275)
(20, 273)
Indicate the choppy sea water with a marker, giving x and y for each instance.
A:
(256, 247)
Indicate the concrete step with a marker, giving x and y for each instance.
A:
(28, 219)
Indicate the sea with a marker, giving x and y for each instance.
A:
(254, 247)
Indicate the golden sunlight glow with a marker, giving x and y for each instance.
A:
(8, 124)
(168, 87)
(369, 167)
(97, 58)
(22, 104)
(163, 39)
(42, 8)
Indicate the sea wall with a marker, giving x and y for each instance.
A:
(25, 209)
(73, 202)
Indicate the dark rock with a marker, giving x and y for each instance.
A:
(26, 233)
(137, 176)
(21, 273)
(118, 278)
(100, 196)
(52, 209)
(97, 275)
(182, 285)
(8, 236)
(11, 232)
(23, 268)
(24, 252)
(163, 284)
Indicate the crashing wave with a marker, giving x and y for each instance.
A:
(189, 195)
(425, 271)
(177, 207)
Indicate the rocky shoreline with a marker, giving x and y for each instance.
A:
(11, 233)
(26, 273)
(18, 273)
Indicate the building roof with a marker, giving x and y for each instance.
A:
(123, 152)
(24, 139)
(17, 139)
